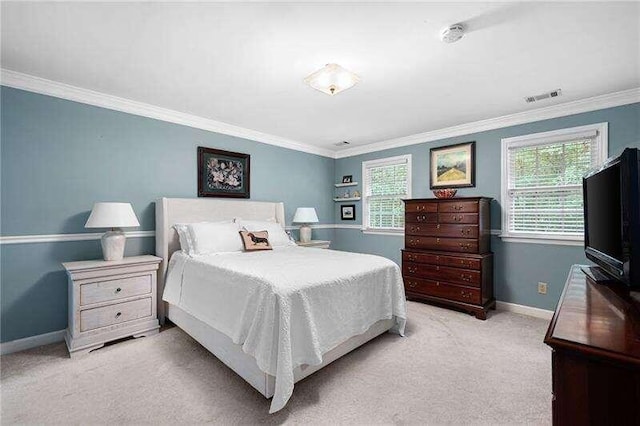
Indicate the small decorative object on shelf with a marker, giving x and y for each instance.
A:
(347, 179)
(347, 194)
(445, 193)
(356, 194)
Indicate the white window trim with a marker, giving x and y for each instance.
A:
(602, 138)
(365, 211)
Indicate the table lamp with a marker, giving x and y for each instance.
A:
(305, 215)
(114, 216)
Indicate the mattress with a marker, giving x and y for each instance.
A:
(288, 306)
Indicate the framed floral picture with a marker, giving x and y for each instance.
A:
(223, 173)
(453, 166)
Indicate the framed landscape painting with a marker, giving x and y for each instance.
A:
(223, 173)
(453, 166)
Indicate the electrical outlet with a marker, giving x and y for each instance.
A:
(542, 288)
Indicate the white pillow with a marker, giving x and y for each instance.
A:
(277, 236)
(186, 244)
(215, 237)
(208, 237)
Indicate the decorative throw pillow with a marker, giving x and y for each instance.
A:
(255, 240)
(277, 236)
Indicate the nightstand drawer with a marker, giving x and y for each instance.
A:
(115, 314)
(114, 289)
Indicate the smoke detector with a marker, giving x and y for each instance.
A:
(543, 96)
(452, 33)
(341, 143)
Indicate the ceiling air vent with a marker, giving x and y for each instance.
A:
(548, 95)
(341, 143)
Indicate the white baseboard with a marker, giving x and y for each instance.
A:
(32, 342)
(524, 310)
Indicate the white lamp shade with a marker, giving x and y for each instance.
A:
(305, 215)
(112, 215)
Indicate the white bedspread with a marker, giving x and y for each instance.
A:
(288, 306)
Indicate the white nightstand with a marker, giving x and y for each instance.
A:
(315, 244)
(109, 300)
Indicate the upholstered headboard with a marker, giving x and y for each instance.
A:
(170, 211)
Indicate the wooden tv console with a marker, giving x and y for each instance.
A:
(595, 336)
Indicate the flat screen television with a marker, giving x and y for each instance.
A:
(612, 219)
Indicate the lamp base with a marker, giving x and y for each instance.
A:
(305, 233)
(113, 244)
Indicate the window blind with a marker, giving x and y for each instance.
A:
(545, 185)
(386, 183)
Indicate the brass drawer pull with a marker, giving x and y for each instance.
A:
(465, 246)
(412, 269)
(412, 284)
(464, 277)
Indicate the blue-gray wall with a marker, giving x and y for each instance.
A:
(59, 157)
(518, 266)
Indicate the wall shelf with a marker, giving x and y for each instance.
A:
(342, 185)
(346, 199)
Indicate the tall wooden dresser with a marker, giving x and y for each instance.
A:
(447, 257)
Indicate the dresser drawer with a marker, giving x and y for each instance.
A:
(421, 217)
(115, 314)
(460, 218)
(442, 273)
(446, 244)
(421, 207)
(443, 290)
(440, 230)
(105, 291)
(458, 207)
(437, 259)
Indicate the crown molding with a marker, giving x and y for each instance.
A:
(43, 86)
(610, 100)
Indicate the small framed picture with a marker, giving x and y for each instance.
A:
(348, 212)
(347, 179)
(223, 173)
(453, 166)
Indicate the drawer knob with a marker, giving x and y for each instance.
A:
(118, 314)
(465, 277)
(412, 284)
(118, 290)
(437, 283)
(412, 269)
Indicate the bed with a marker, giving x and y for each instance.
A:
(273, 317)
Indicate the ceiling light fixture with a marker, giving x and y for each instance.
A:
(332, 79)
(452, 33)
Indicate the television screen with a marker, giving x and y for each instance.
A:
(604, 227)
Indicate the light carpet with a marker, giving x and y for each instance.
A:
(449, 369)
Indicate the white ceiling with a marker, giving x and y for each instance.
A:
(244, 64)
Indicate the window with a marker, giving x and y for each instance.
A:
(386, 182)
(542, 183)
